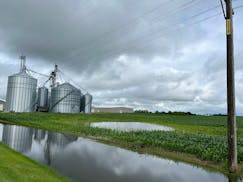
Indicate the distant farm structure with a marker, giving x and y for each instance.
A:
(112, 110)
(25, 95)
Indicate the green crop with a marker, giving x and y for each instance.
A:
(201, 136)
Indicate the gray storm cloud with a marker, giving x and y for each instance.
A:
(156, 55)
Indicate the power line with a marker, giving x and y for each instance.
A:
(101, 36)
(205, 11)
(166, 28)
(206, 18)
(187, 19)
(183, 6)
(222, 5)
(110, 54)
(158, 19)
(180, 7)
(194, 23)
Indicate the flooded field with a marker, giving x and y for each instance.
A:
(83, 159)
(130, 126)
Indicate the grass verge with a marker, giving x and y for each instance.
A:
(16, 167)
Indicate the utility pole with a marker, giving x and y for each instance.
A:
(231, 121)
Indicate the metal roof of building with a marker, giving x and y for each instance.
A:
(22, 74)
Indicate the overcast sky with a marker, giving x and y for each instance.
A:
(156, 55)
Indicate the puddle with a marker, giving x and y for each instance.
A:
(130, 126)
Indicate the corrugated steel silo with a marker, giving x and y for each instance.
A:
(65, 98)
(42, 102)
(88, 103)
(21, 93)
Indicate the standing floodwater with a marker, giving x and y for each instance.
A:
(86, 160)
(130, 126)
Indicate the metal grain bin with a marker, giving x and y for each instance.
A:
(65, 98)
(21, 93)
(17, 137)
(88, 103)
(42, 102)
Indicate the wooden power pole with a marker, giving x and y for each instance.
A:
(231, 121)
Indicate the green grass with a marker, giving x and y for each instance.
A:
(15, 167)
(203, 137)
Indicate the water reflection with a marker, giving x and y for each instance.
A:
(56, 142)
(39, 134)
(130, 126)
(86, 160)
(17, 137)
